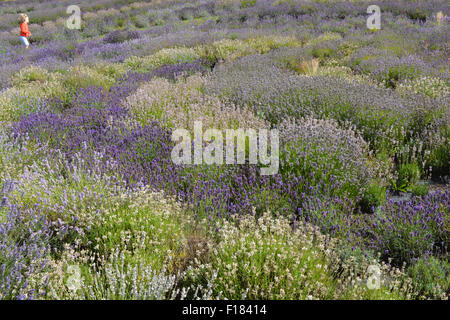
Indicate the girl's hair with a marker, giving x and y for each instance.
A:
(22, 17)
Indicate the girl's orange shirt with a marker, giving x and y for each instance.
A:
(24, 32)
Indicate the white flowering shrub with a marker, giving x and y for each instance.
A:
(182, 103)
(162, 57)
(269, 258)
(430, 86)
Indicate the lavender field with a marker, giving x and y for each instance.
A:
(93, 206)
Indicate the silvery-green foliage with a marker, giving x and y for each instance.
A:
(322, 151)
(384, 117)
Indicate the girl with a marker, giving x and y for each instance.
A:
(24, 32)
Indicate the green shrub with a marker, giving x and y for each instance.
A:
(121, 22)
(29, 75)
(226, 49)
(82, 77)
(417, 14)
(420, 189)
(430, 86)
(431, 277)
(327, 36)
(322, 53)
(140, 21)
(30, 85)
(110, 70)
(440, 159)
(164, 56)
(336, 159)
(247, 3)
